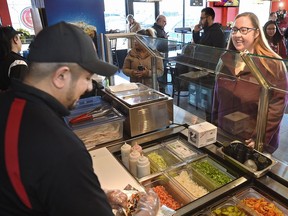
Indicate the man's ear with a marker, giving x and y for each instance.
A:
(61, 76)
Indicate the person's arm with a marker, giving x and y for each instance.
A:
(196, 36)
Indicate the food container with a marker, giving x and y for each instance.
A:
(238, 154)
(228, 207)
(161, 158)
(210, 172)
(182, 149)
(145, 109)
(163, 185)
(101, 129)
(189, 181)
(258, 204)
(86, 104)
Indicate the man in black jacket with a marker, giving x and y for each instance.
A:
(212, 33)
(159, 26)
(45, 169)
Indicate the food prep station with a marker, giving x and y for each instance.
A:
(195, 181)
(217, 179)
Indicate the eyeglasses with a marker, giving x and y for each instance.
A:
(271, 29)
(242, 30)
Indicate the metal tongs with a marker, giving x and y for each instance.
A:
(97, 112)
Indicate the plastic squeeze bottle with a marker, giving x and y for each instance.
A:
(133, 157)
(137, 147)
(143, 166)
(125, 151)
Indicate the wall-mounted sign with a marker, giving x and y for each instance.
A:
(26, 17)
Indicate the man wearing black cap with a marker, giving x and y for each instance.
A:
(12, 65)
(45, 168)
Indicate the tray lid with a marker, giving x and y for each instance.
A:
(138, 96)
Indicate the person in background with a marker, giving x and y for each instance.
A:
(237, 91)
(159, 26)
(12, 64)
(275, 38)
(273, 16)
(50, 172)
(212, 33)
(133, 25)
(137, 63)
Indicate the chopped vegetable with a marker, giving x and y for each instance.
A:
(211, 172)
(262, 206)
(166, 198)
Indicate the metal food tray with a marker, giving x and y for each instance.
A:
(251, 193)
(172, 173)
(256, 174)
(212, 183)
(169, 158)
(182, 149)
(225, 205)
(176, 192)
(140, 96)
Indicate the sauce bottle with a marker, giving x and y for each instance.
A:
(143, 166)
(133, 157)
(125, 151)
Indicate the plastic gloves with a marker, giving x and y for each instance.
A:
(117, 198)
(148, 204)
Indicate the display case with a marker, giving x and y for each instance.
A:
(257, 110)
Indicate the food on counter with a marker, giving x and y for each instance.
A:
(195, 189)
(166, 198)
(158, 159)
(132, 203)
(211, 172)
(94, 135)
(229, 211)
(262, 206)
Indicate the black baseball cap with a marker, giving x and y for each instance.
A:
(9, 31)
(64, 42)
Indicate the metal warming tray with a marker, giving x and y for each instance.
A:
(254, 155)
(145, 109)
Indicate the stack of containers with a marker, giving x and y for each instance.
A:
(95, 121)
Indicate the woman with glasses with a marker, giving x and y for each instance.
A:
(237, 92)
(275, 38)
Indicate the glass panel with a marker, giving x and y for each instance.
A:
(224, 86)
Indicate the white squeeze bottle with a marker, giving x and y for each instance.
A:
(133, 157)
(125, 151)
(143, 166)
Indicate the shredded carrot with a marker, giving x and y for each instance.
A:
(166, 198)
(262, 206)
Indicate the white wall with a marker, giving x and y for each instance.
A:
(259, 7)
